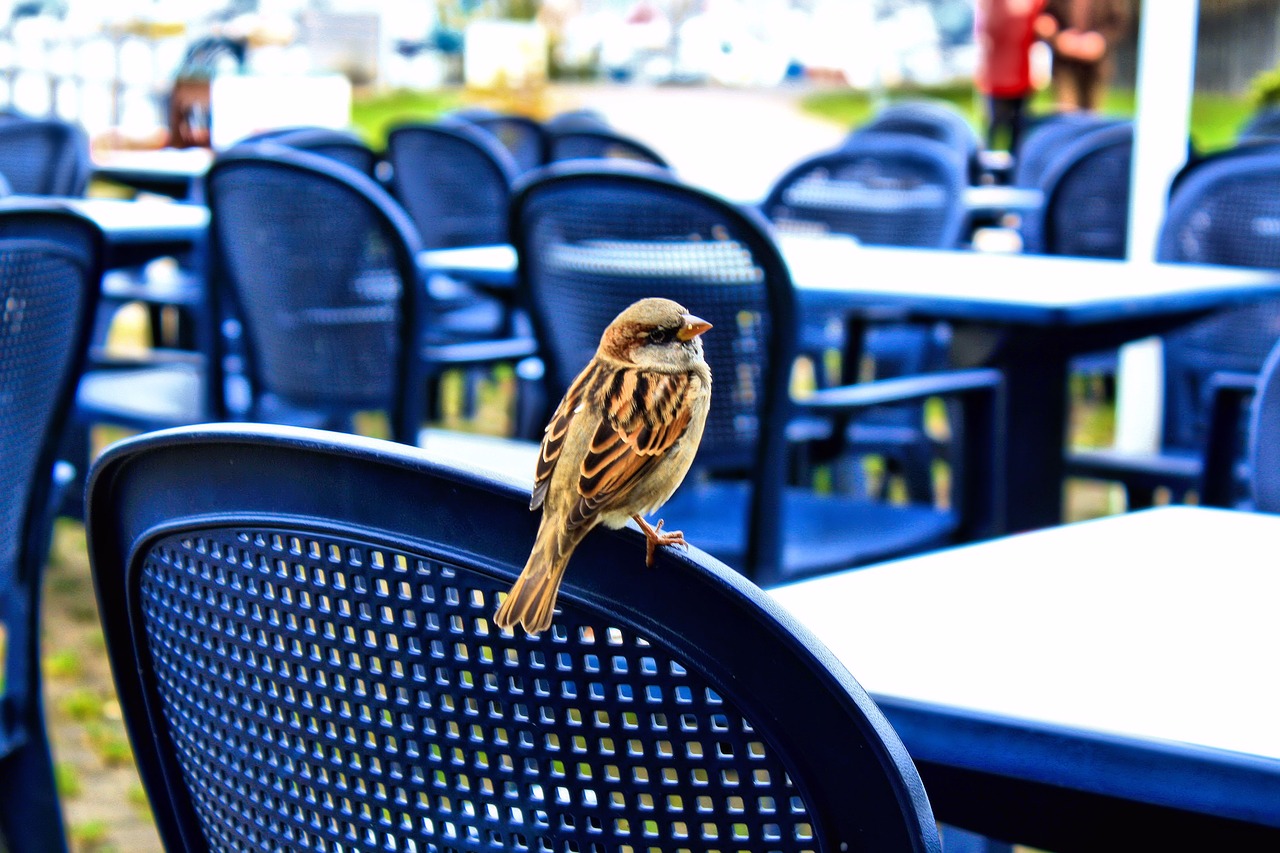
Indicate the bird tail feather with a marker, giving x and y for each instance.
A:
(532, 598)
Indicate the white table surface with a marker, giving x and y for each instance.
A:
(1035, 289)
(1155, 625)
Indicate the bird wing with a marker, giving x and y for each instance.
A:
(557, 429)
(644, 414)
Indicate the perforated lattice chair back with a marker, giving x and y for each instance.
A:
(1264, 437)
(523, 137)
(1086, 197)
(47, 157)
(888, 189)
(601, 144)
(316, 669)
(1263, 125)
(592, 239)
(1225, 211)
(454, 180)
(340, 145)
(49, 282)
(936, 120)
(1047, 139)
(318, 262)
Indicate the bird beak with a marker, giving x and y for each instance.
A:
(693, 326)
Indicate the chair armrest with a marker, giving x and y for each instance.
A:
(101, 358)
(847, 398)
(480, 352)
(978, 436)
(1228, 392)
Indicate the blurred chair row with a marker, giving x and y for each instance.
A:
(43, 156)
(314, 266)
(1222, 209)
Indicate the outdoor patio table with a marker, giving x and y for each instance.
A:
(1107, 684)
(135, 233)
(1026, 314)
(175, 172)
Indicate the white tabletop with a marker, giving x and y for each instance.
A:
(1156, 625)
(165, 162)
(1032, 290)
(124, 219)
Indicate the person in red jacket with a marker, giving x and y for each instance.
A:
(1005, 33)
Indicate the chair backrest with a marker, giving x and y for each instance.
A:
(50, 273)
(1047, 138)
(890, 189)
(455, 182)
(309, 662)
(582, 118)
(44, 157)
(1086, 197)
(341, 145)
(593, 238)
(523, 137)
(318, 263)
(1225, 211)
(1264, 436)
(936, 120)
(588, 144)
(1264, 125)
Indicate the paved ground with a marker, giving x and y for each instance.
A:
(732, 141)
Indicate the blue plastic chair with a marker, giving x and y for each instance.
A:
(1227, 421)
(47, 157)
(592, 239)
(309, 662)
(316, 309)
(523, 137)
(881, 188)
(1262, 126)
(340, 145)
(1086, 197)
(50, 265)
(889, 189)
(455, 181)
(1047, 138)
(579, 118)
(1223, 212)
(930, 119)
(584, 143)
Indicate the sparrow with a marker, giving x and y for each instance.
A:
(616, 448)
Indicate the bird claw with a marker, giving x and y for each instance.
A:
(655, 537)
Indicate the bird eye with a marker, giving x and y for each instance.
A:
(658, 336)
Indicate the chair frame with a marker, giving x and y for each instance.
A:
(605, 137)
(860, 786)
(30, 812)
(981, 391)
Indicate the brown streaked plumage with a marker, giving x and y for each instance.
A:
(618, 445)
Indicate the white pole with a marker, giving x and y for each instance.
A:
(1166, 79)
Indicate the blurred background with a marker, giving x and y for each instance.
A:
(716, 85)
(116, 67)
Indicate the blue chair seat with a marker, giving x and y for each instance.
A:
(825, 533)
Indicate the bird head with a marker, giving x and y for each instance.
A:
(657, 334)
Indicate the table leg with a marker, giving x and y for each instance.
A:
(1036, 369)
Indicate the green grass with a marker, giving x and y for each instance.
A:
(373, 115)
(1215, 117)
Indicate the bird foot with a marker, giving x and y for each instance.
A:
(655, 537)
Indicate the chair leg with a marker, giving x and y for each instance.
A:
(30, 812)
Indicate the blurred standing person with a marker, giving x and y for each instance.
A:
(1005, 32)
(1082, 35)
